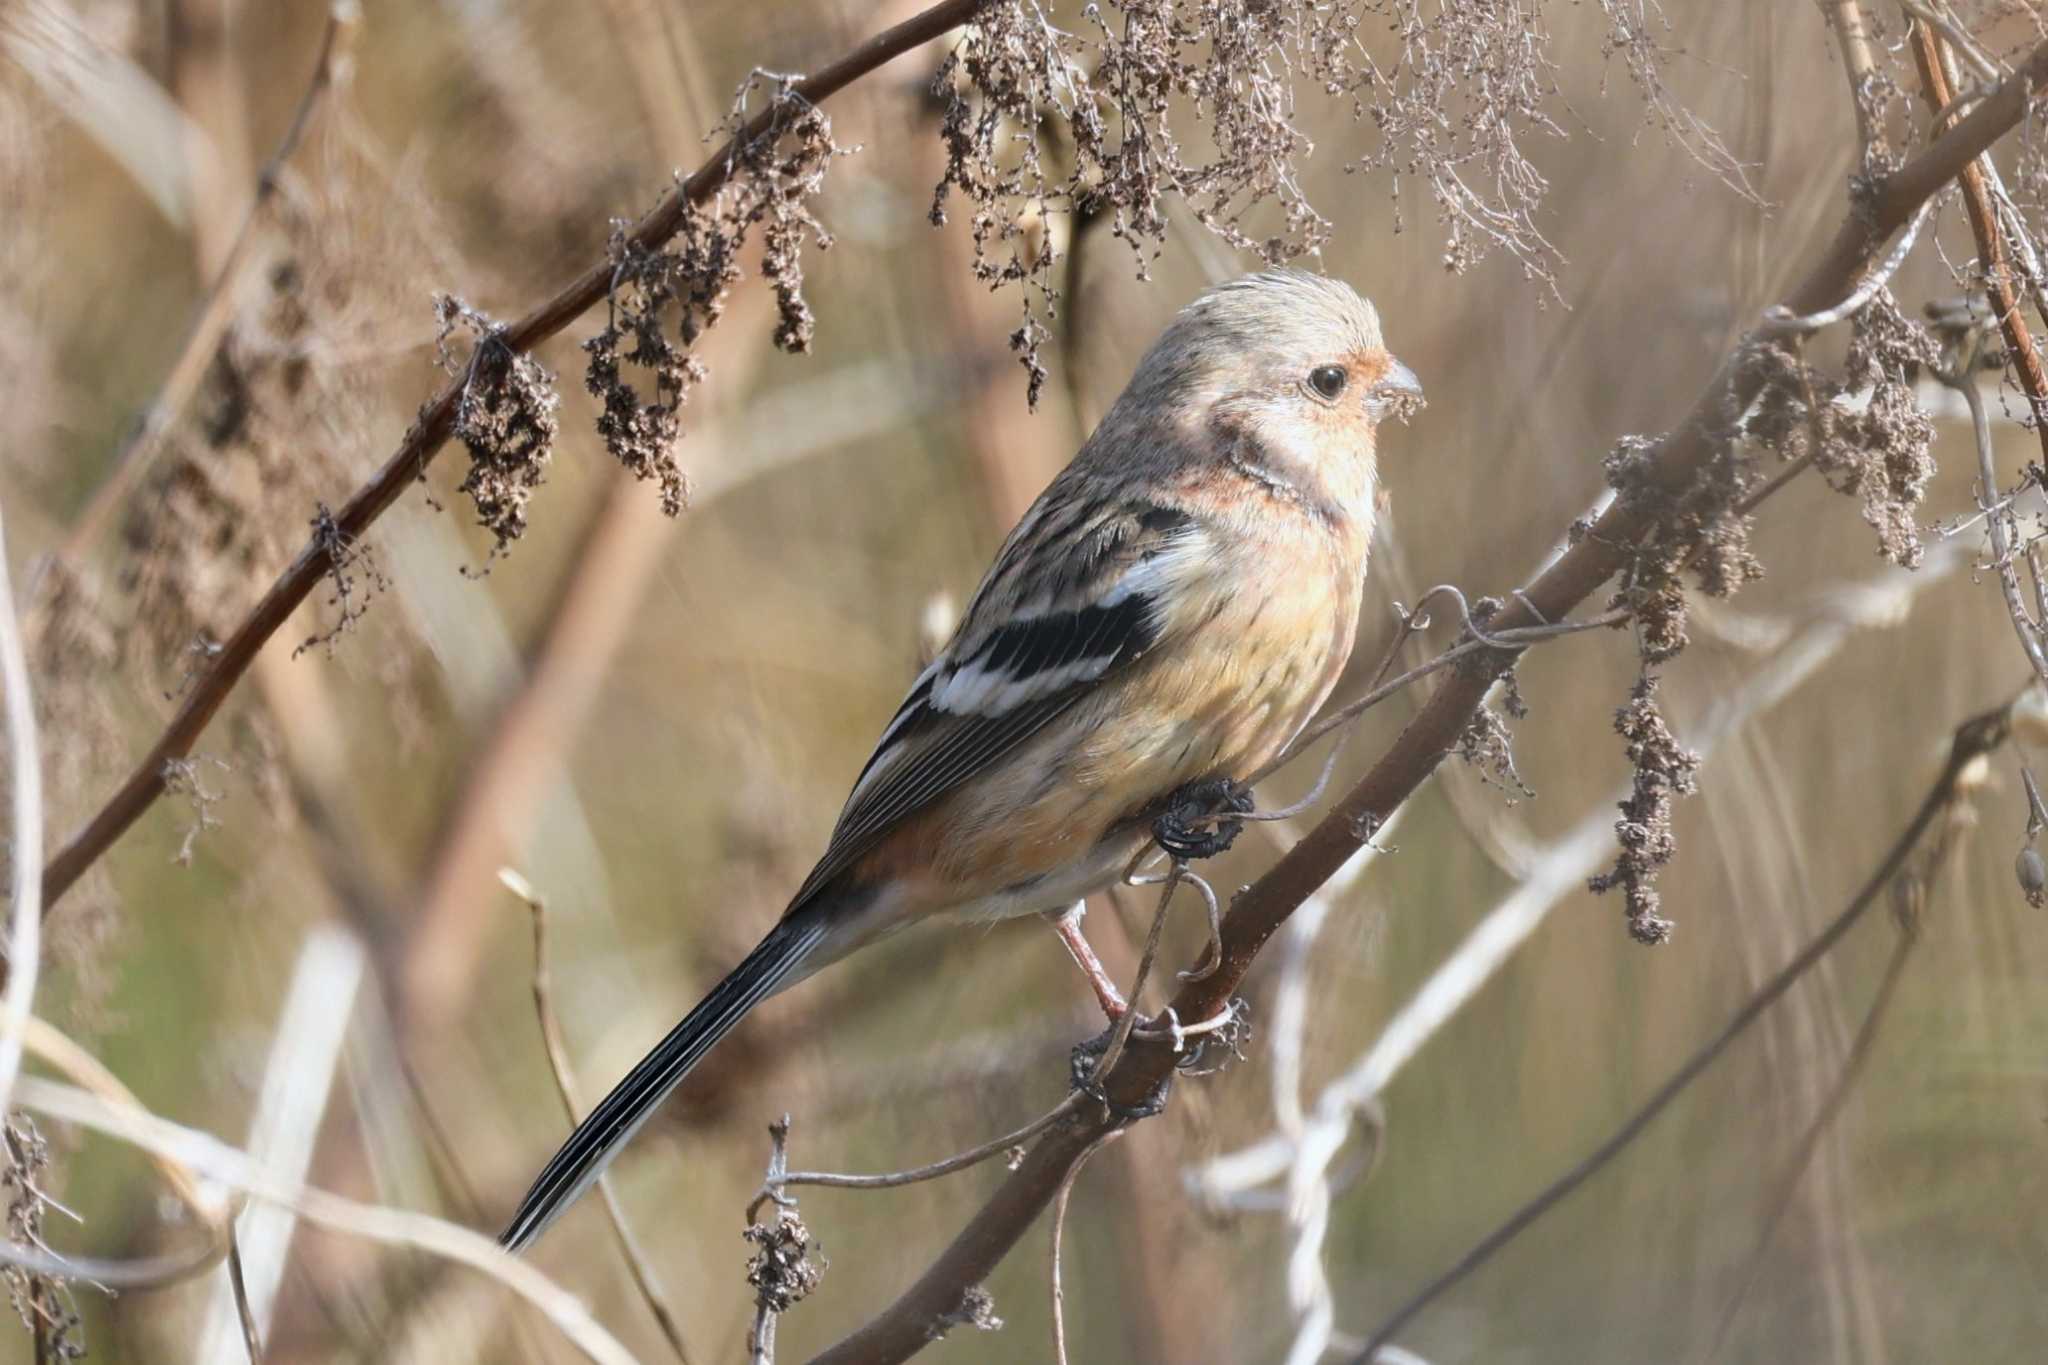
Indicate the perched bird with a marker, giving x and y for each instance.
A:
(1165, 618)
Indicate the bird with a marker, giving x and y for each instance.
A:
(1162, 622)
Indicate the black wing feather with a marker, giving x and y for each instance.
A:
(954, 746)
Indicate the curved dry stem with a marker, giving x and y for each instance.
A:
(973, 1156)
(1779, 321)
(208, 1156)
(1120, 1033)
(1996, 527)
(652, 1292)
(25, 775)
(1059, 1227)
(1783, 1188)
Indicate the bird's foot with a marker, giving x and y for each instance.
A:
(1081, 1076)
(1196, 823)
(1067, 924)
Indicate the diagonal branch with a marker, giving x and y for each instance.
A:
(1930, 53)
(1991, 250)
(431, 430)
(905, 1327)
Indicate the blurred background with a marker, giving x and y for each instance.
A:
(655, 720)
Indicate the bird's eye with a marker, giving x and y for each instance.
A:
(1328, 380)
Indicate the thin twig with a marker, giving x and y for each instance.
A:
(1928, 48)
(1059, 1226)
(1495, 640)
(1958, 37)
(431, 432)
(1995, 527)
(25, 775)
(1781, 321)
(652, 1292)
(1973, 739)
(1120, 1034)
(973, 1156)
(779, 1280)
(1782, 1189)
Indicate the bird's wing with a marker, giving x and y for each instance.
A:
(1074, 596)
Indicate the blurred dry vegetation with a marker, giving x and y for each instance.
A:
(1566, 214)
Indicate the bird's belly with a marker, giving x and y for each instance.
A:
(1076, 804)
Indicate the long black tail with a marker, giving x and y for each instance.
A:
(612, 1124)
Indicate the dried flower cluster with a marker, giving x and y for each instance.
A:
(1489, 745)
(1123, 89)
(1631, 34)
(42, 1304)
(662, 301)
(506, 417)
(353, 575)
(1196, 99)
(1471, 85)
(976, 1309)
(782, 1273)
(1865, 432)
(1664, 771)
(1702, 530)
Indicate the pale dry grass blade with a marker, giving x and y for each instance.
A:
(227, 1167)
(305, 1052)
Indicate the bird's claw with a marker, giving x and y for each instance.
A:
(1081, 1076)
(1195, 824)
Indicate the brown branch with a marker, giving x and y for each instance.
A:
(1973, 739)
(1998, 274)
(905, 1327)
(431, 430)
(1930, 53)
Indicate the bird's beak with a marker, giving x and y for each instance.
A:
(1397, 393)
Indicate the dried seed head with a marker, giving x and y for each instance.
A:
(2033, 876)
(1664, 771)
(782, 1272)
(663, 301)
(505, 416)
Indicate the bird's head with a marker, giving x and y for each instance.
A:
(1287, 368)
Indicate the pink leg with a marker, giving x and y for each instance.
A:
(1067, 924)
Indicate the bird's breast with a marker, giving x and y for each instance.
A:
(1239, 668)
